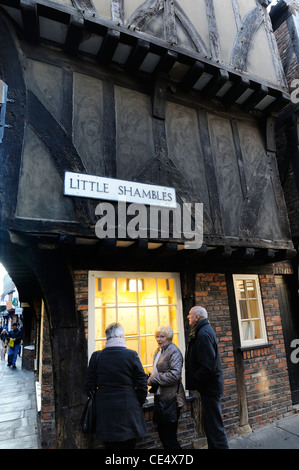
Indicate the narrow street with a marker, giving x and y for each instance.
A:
(18, 415)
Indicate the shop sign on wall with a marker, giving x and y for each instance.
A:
(98, 187)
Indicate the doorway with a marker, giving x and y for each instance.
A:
(288, 304)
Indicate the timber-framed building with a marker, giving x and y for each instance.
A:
(180, 95)
(285, 26)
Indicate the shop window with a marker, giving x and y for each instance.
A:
(250, 310)
(141, 302)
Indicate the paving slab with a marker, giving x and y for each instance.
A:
(26, 442)
(290, 425)
(18, 411)
(282, 434)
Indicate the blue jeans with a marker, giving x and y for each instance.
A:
(13, 354)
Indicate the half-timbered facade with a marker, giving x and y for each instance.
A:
(285, 20)
(176, 95)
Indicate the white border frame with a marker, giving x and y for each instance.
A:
(92, 275)
(264, 339)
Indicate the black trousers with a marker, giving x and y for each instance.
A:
(168, 435)
(213, 423)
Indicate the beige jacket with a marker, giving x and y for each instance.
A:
(168, 375)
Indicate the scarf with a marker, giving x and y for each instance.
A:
(192, 331)
(116, 342)
(155, 371)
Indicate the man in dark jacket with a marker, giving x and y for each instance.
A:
(16, 335)
(204, 374)
(120, 382)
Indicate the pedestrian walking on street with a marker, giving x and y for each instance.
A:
(2, 346)
(117, 376)
(204, 374)
(166, 384)
(4, 341)
(14, 337)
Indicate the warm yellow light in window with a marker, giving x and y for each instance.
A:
(132, 285)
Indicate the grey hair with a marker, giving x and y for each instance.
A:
(166, 330)
(114, 330)
(200, 311)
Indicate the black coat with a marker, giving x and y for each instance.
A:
(122, 390)
(202, 362)
(16, 335)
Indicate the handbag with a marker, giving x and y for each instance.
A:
(165, 411)
(88, 419)
(11, 343)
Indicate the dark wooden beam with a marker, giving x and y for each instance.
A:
(74, 35)
(30, 20)
(282, 255)
(66, 240)
(167, 249)
(105, 246)
(201, 251)
(282, 100)
(210, 172)
(215, 84)
(54, 11)
(137, 56)
(11, 3)
(260, 92)
(226, 251)
(213, 29)
(108, 46)
(12, 145)
(159, 97)
(167, 62)
(138, 248)
(192, 76)
(270, 253)
(240, 85)
(61, 147)
(243, 254)
(109, 123)
(243, 41)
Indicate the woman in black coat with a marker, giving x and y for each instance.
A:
(120, 382)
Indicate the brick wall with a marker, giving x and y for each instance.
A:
(211, 293)
(28, 358)
(186, 430)
(266, 374)
(47, 415)
(282, 36)
(81, 295)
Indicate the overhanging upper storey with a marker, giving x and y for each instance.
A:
(223, 49)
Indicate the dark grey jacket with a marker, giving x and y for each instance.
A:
(203, 365)
(169, 369)
(122, 390)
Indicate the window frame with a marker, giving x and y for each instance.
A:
(264, 339)
(93, 275)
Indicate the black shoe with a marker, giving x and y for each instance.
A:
(14, 367)
(8, 365)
